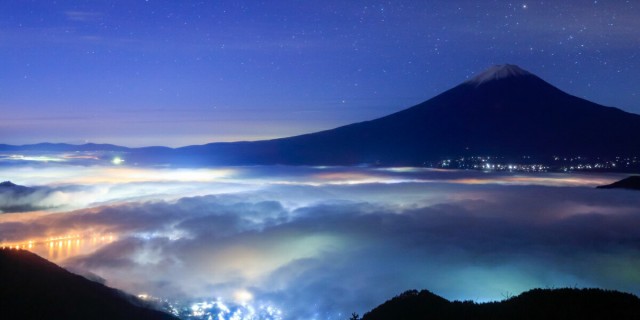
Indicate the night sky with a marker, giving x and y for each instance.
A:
(177, 73)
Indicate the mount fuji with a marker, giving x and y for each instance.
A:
(504, 111)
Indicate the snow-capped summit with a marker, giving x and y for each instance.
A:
(500, 71)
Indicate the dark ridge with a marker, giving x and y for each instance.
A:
(15, 189)
(538, 304)
(7, 184)
(632, 183)
(14, 192)
(34, 288)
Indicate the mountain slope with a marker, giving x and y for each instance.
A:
(11, 196)
(503, 111)
(632, 183)
(34, 288)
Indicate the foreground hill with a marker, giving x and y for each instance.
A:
(539, 304)
(34, 288)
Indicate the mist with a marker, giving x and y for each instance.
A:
(325, 242)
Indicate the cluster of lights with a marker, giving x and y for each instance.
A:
(63, 240)
(117, 160)
(58, 241)
(526, 164)
(63, 157)
(585, 164)
(492, 164)
(217, 309)
(21, 157)
(22, 245)
(512, 167)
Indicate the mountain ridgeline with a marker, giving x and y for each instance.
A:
(504, 111)
(630, 183)
(536, 304)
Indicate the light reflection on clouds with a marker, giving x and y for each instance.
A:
(325, 242)
(61, 247)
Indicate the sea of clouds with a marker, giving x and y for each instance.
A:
(320, 243)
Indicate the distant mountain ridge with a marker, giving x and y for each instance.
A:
(63, 147)
(537, 304)
(503, 111)
(10, 195)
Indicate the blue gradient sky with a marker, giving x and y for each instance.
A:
(184, 72)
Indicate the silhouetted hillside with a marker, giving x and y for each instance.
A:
(17, 198)
(8, 186)
(539, 304)
(34, 288)
(632, 183)
(10, 192)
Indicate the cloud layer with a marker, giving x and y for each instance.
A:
(324, 250)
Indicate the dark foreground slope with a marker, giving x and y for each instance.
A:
(536, 304)
(34, 288)
(632, 183)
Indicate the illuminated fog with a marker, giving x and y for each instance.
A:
(325, 242)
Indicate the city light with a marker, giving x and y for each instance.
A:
(58, 248)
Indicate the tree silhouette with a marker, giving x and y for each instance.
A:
(354, 316)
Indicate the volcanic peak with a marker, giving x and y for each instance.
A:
(497, 72)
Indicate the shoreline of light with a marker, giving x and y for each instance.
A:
(53, 246)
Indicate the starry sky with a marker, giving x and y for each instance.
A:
(176, 73)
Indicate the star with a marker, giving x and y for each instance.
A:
(216, 53)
